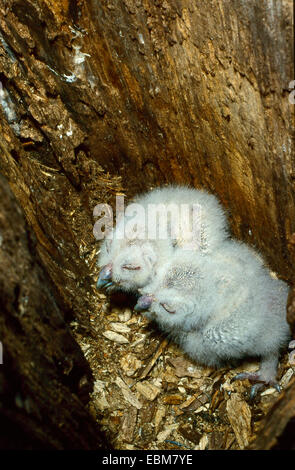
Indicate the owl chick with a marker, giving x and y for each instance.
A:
(191, 217)
(221, 308)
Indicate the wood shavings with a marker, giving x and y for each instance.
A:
(195, 403)
(160, 414)
(99, 394)
(268, 391)
(189, 432)
(203, 443)
(163, 435)
(183, 368)
(154, 359)
(286, 378)
(98, 386)
(125, 316)
(141, 339)
(119, 327)
(188, 402)
(127, 394)
(128, 424)
(101, 296)
(148, 390)
(169, 376)
(130, 364)
(173, 399)
(216, 440)
(101, 402)
(239, 415)
(292, 358)
(116, 337)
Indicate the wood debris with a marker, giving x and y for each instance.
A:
(116, 337)
(130, 364)
(183, 368)
(160, 414)
(148, 390)
(125, 315)
(160, 398)
(128, 424)
(119, 327)
(162, 436)
(127, 394)
(154, 359)
(287, 377)
(239, 415)
(203, 443)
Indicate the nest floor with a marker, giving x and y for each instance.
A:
(148, 395)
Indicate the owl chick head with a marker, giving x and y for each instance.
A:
(174, 297)
(131, 264)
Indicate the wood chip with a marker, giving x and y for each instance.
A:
(127, 394)
(100, 402)
(160, 414)
(292, 358)
(203, 443)
(99, 394)
(174, 399)
(141, 339)
(189, 432)
(185, 368)
(158, 353)
(286, 378)
(98, 386)
(125, 316)
(194, 402)
(116, 337)
(119, 327)
(268, 391)
(239, 415)
(148, 390)
(216, 440)
(128, 424)
(130, 364)
(162, 436)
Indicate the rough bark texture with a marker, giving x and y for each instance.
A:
(148, 92)
(280, 419)
(44, 379)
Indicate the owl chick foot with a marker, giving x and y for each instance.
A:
(260, 382)
(266, 375)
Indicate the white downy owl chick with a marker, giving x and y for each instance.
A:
(221, 308)
(130, 263)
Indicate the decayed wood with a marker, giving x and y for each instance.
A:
(155, 92)
(101, 96)
(45, 379)
(276, 420)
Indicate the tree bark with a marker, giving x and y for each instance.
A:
(278, 426)
(44, 378)
(101, 97)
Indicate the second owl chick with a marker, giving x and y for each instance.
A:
(221, 308)
(130, 263)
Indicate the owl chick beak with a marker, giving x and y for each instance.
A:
(143, 303)
(105, 277)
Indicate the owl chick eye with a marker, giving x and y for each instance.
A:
(167, 308)
(131, 267)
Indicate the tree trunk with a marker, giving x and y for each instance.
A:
(44, 379)
(110, 96)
